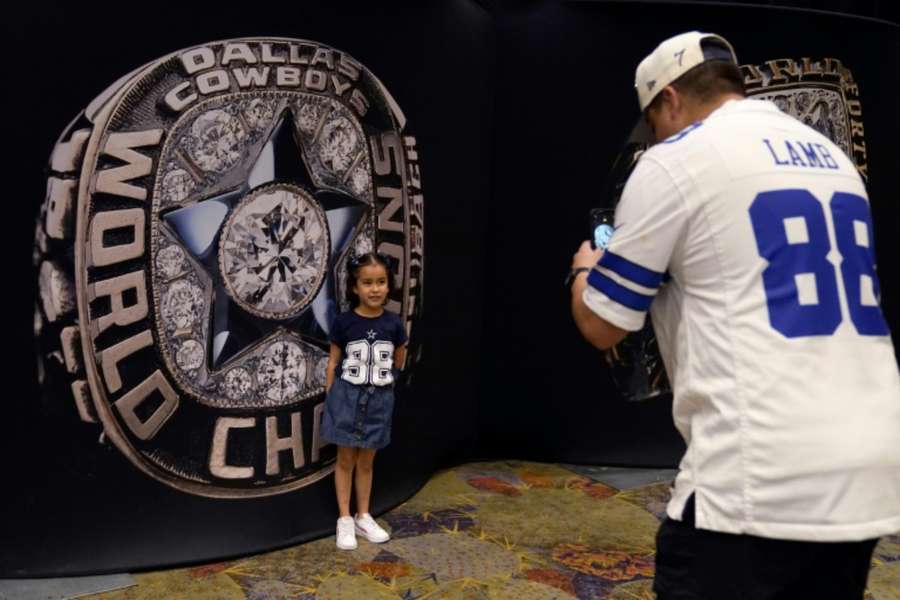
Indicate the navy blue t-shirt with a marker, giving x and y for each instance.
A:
(368, 345)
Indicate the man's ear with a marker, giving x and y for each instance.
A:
(671, 100)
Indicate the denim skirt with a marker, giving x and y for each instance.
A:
(358, 416)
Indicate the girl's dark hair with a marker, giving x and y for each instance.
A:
(364, 260)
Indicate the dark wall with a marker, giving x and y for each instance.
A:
(565, 104)
(877, 9)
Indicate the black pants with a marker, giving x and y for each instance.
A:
(694, 563)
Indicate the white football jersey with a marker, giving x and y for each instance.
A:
(750, 234)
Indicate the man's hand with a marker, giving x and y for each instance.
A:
(586, 256)
(599, 332)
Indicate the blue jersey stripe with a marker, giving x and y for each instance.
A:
(630, 271)
(681, 134)
(618, 292)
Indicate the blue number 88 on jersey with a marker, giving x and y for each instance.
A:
(801, 284)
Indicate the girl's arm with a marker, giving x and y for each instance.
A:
(334, 357)
(399, 357)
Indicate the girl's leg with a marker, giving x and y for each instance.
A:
(365, 524)
(343, 476)
(365, 459)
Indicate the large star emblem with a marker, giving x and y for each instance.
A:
(268, 258)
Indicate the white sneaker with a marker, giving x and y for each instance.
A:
(346, 536)
(369, 529)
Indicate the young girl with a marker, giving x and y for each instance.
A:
(360, 397)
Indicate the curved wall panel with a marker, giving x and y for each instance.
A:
(398, 88)
(518, 112)
(565, 82)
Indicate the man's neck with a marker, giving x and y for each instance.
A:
(704, 110)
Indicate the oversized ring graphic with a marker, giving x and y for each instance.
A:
(192, 253)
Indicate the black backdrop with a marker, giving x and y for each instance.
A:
(519, 109)
(565, 103)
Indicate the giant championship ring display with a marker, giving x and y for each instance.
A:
(192, 254)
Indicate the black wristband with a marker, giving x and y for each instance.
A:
(574, 272)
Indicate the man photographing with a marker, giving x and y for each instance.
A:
(750, 236)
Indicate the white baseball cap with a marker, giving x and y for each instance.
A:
(676, 56)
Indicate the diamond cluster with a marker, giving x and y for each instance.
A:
(273, 251)
(335, 146)
(183, 307)
(281, 371)
(211, 144)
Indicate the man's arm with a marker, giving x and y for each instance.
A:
(600, 333)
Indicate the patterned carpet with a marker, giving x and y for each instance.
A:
(500, 530)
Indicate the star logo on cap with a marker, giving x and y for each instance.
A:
(650, 84)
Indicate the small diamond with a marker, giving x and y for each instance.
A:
(338, 144)
(170, 261)
(359, 180)
(238, 383)
(217, 138)
(363, 245)
(282, 371)
(308, 118)
(177, 185)
(190, 355)
(182, 304)
(258, 113)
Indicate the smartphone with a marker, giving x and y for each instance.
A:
(601, 227)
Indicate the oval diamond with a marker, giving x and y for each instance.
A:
(274, 253)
